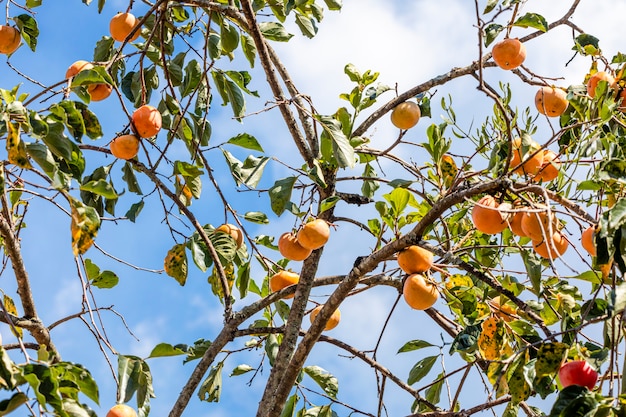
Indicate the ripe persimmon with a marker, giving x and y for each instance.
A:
(551, 101)
(283, 279)
(314, 234)
(504, 311)
(76, 67)
(486, 216)
(9, 39)
(233, 231)
(290, 248)
(121, 25)
(125, 146)
(419, 293)
(551, 248)
(147, 121)
(587, 240)
(550, 168)
(121, 410)
(593, 81)
(332, 322)
(97, 92)
(415, 259)
(532, 158)
(515, 224)
(509, 53)
(405, 115)
(536, 224)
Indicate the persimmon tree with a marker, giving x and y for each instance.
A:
(483, 233)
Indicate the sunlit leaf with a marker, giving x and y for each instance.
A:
(532, 20)
(29, 30)
(211, 388)
(15, 147)
(280, 193)
(414, 345)
(84, 226)
(274, 31)
(165, 349)
(175, 263)
(324, 379)
(247, 141)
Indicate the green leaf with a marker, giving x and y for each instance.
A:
(211, 388)
(280, 194)
(134, 211)
(79, 376)
(248, 172)
(29, 30)
(271, 347)
(574, 401)
(165, 349)
(11, 404)
(290, 406)
(333, 4)
(550, 355)
(90, 121)
(491, 4)
(518, 386)
(230, 93)
(533, 268)
(414, 345)
(135, 378)
(197, 350)
(342, 150)
(7, 367)
(243, 279)
(421, 369)
(131, 179)
(532, 20)
(107, 279)
(465, 340)
(241, 369)
(95, 75)
(587, 44)
(229, 36)
(247, 141)
(307, 25)
(104, 49)
(324, 379)
(44, 386)
(329, 203)
(249, 49)
(256, 217)
(433, 393)
(274, 31)
(193, 75)
(492, 30)
(100, 187)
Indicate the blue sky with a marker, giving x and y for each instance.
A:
(408, 43)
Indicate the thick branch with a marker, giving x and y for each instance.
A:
(31, 321)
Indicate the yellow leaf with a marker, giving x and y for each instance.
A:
(85, 225)
(16, 148)
(10, 307)
(175, 263)
(448, 170)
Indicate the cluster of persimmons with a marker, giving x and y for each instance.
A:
(297, 247)
(538, 223)
(146, 120)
